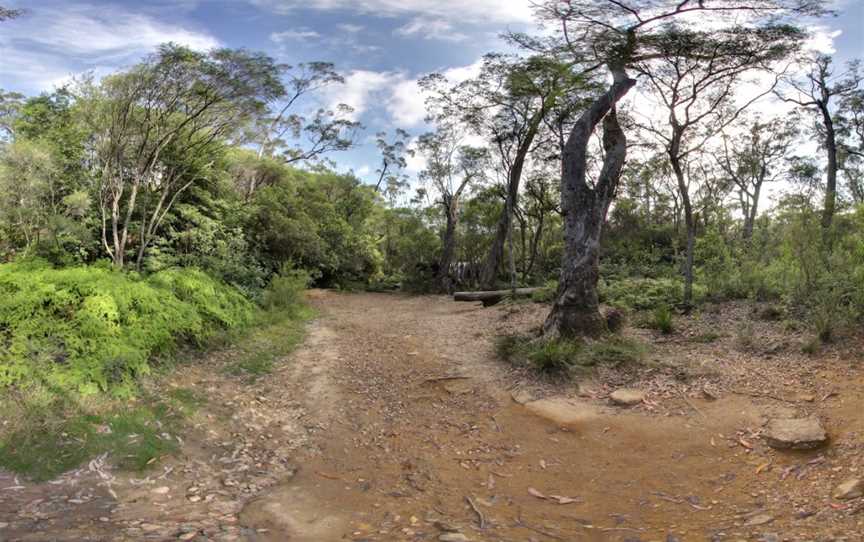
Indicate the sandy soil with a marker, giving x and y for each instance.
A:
(395, 421)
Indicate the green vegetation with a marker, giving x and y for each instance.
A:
(662, 320)
(53, 433)
(88, 329)
(560, 356)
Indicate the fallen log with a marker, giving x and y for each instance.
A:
(493, 297)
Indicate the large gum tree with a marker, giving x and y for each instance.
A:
(610, 38)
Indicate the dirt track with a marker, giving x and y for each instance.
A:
(395, 421)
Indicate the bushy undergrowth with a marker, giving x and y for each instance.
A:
(88, 329)
(562, 356)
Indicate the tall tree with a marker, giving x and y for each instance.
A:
(695, 76)
(507, 104)
(755, 152)
(394, 156)
(451, 167)
(151, 124)
(613, 35)
(815, 92)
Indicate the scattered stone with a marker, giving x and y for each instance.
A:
(627, 397)
(850, 489)
(194, 498)
(454, 537)
(187, 536)
(522, 396)
(3, 524)
(161, 490)
(769, 537)
(759, 519)
(795, 434)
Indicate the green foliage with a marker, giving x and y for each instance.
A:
(321, 223)
(89, 329)
(641, 293)
(561, 356)
(662, 320)
(54, 434)
(286, 289)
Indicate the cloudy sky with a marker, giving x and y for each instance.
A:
(381, 46)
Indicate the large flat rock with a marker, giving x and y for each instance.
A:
(564, 412)
(795, 433)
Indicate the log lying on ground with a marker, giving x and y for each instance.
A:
(493, 297)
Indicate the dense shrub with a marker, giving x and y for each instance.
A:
(643, 293)
(90, 328)
(286, 289)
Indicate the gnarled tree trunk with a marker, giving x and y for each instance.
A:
(576, 310)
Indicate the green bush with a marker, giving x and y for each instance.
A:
(643, 293)
(662, 320)
(89, 328)
(286, 289)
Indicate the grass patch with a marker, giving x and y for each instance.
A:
(277, 334)
(706, 338)
(56, 436)
(662, 320)
(560, 356)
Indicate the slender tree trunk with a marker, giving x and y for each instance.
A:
(689, 219)
(489, 273)
(831, 184)
(577, 310)
(451, 210)
(535, 244)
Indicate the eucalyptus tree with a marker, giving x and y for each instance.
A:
(755, 152)
(10, 106)
(287, 133)
(451, 168)
(614, 36)
(695, 77)
(506, 104)
(815, 92)
(156, 128)
(394, 155)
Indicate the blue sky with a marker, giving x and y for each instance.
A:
(381, 46)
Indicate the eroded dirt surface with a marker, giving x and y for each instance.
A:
(395, 421)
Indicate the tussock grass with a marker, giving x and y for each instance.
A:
(562, 356)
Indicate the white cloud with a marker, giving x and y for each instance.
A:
(359, 89)
(301, 34)
(351, 28)
(431, 29)
(821, 40)
(97, 33)
(491, 11)
(49, 44)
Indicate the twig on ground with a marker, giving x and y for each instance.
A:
(481, 519)
(520, 523)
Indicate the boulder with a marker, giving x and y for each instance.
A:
(850, 489)
(795, 433)
(627, 397)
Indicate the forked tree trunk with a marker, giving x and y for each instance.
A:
(451, 210)
(576, 311)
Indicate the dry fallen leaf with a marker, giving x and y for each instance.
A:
(533, 492)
